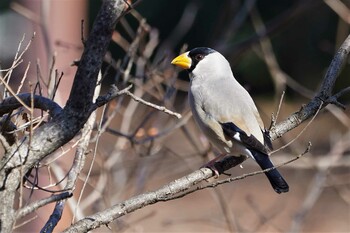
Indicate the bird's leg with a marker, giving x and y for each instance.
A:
(211, 164)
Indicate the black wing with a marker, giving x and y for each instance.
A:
(259, 153)
(233, 131)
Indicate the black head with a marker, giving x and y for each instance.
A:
(197, 54)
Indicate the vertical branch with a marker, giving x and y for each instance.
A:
(334, 69)
(90, 63)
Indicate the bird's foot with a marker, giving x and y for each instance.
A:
(211, 166)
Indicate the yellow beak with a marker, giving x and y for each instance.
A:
(182, 61)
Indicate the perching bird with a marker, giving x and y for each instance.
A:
(225, 112)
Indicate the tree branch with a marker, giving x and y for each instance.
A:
(104, 217)
(40, 203)
(324, 95)
(90, 62)
(40, 102)
(114, 92)
(61, 129)
(176, 189)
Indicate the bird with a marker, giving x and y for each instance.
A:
(225, 111)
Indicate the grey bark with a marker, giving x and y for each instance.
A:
(19, 159)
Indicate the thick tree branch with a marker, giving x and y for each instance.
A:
(95, 48)
(61, 129)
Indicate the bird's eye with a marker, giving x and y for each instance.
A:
(199, 57)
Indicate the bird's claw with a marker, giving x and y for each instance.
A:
(211, 166)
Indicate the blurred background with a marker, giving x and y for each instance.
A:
(272, 45)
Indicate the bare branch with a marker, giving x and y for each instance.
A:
(137, 202)
(231, 179)
(300, 133)
(114, 92)
(90, 62)
(36, 205)
(91, 163)
(275, 117)
(323, 95)
(59, 130)
(40, 102)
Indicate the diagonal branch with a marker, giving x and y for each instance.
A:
(104, 217)
(324, 95)
(176, 189)
(40, 203)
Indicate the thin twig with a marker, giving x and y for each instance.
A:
(23, 79)
(90, 167)
(9, 89)
(226, 210)
(114, 92)
(280, 104)
(52, 78)
(160, 108)
(25, 222)
(15, 61)
(275, 117)
(77, 166)
(57, 84)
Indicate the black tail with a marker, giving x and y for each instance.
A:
(275, 178)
